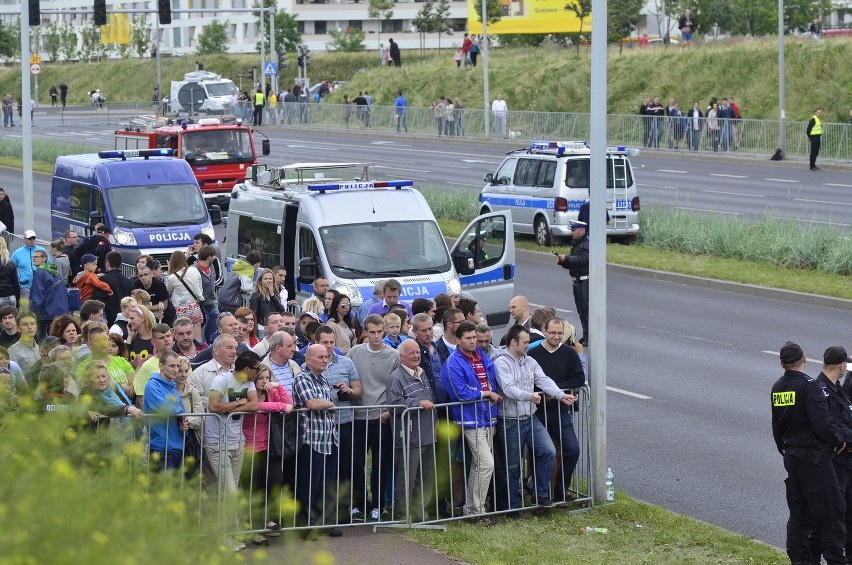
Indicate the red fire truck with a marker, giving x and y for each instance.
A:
(219, 154)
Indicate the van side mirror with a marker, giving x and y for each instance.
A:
(215, 214)
(308, 270)
(489, 178)
(264, 147)
(463, 262)
(95, 218)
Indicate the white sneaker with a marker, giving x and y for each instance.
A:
(374, 515)
(357, 515)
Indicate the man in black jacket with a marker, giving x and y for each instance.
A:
(120, 285)
(97, 244)
(7, 215)
(578, 267)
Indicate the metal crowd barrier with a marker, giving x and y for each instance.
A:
(368, 470)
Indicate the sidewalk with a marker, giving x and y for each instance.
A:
(358, 546)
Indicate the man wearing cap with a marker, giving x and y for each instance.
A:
(834, 362)
(97, 244)
(808, 437)
(578, 267)
(23, 260)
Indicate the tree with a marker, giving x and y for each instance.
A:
(53, 41)
(380, 10)
(424, 22)
(522, 39)
(622, 17)
(140, 35)
(6, 41)
(90, 41)
(68, 42)
(493, 11)
(213, 38)
(582, 9)
(442, 20)
(349, 40)
(287, 34)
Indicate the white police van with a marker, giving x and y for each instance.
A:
(331, 219)
(545, 185)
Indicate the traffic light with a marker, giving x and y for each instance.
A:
(35, 13)
(100, 13)
(164, 7)
(281, 61)
(304, 55)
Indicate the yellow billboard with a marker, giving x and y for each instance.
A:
(117, 30)
(528, 16)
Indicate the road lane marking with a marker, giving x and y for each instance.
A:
(478, 161)
(822, 222)
(708, 210)
(838, 184)
(659, 186)
(411, 170)
(823, 201)
(628, 393)
(672, 171)
(777, 354)
(464, 184)
(735, 193)
(445, 166)
(679, 334)
(781, 180)
(729, 176)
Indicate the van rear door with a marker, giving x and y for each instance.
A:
(484, 257)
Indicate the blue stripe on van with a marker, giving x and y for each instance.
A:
(494, 275)
(545, 203)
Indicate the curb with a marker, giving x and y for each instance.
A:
(742, 288)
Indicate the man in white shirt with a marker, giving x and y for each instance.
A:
(501, 114)
(274, 322)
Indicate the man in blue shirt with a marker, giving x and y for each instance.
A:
(166, 430)
(23, 260)
(400, 109)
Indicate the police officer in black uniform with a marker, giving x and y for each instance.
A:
(578, 267)
(834, 366)
(807, 436)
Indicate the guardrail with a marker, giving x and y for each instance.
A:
(377, 472)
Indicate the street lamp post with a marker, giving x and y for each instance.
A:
(782, 132)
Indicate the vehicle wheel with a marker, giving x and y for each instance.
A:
(542, 232)
(624, 239)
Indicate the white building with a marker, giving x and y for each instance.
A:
(315, 19)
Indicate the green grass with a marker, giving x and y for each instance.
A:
(557, 82)
(639, 533)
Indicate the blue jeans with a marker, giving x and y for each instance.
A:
(559, 420)
(165, 460)
(516, 434)
(211, 316)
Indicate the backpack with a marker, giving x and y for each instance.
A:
(777, 156)
(230, 295)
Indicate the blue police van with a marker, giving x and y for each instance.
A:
(150, 201)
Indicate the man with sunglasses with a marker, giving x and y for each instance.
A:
(448, 342)
(23, 260)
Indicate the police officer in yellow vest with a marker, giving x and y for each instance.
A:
(814, 132)
(808, 437)
(259, 100)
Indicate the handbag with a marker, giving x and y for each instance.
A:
(191, 448)
(191, 310)
(283, 435)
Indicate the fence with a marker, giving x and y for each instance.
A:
(380, 472)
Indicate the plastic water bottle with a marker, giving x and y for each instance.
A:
(591, 530)
(610, 485)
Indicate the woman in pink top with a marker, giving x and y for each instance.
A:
(265, 473)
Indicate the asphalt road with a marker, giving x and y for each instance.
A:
(695, 435)
(737, 186)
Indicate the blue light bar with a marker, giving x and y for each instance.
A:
(360, 185)
(125, 153)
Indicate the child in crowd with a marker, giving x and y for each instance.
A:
(393, 327)
(87, 281)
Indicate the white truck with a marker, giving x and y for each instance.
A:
(331, 219)
(201, 92)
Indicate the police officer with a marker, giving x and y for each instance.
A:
(814, 132)
(834, 366)
(578, 267)
(806, 435)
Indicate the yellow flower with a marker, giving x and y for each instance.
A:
(62, 469)
(323, 558)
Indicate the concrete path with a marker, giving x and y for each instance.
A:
(358, 546)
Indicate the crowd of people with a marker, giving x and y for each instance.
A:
(152, 359)
(671, 125)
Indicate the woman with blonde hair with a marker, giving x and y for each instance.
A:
(109, 405)
(139, 334)
(185, 292)
(10, 287)
(265, 299)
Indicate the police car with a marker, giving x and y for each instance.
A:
(545, 184)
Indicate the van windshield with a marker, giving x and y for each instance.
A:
(157, 205)
(224, 88)
(385, 249)
(217, 146)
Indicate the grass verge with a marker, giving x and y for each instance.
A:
(638, 533)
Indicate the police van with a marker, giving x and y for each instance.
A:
(150, 201)
(545, 185)
(332, 219)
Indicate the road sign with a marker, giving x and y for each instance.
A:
(270, 69)
(35, 59)
(35, 68)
